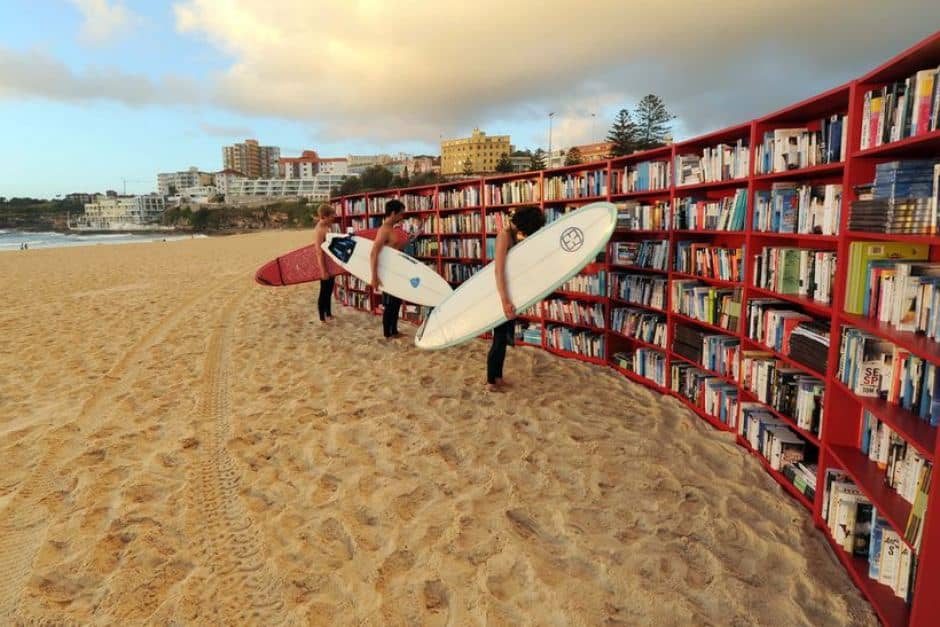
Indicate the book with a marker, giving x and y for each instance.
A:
(861, 253)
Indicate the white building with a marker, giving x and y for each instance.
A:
(180, 180)
(200, 194)
(122, 212)
(317, 188)
(338, 166)
(225, 179)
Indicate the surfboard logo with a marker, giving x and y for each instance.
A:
(415, 281)
(572, 239)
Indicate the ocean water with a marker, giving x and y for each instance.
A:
(13, 240)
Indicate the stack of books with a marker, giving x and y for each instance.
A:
(901, 109)
(726, 214)
(635, 216)
(902, 199)
(794, 148)
(795, 208)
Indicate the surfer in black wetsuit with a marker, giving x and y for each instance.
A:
(524, 222)
(394, 213)
(325, 300)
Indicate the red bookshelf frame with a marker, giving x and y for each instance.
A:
(837, 444)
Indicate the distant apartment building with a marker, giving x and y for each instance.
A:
(309, 164)
(170, 183)
(421, 164)
(200, 194)
(555, 160)
(80, 198)
(338, 166)
(595, 152)
(224, 179)
(521, 163)
(252, 160)
(121, 212)
(483, 151)
(316, 188)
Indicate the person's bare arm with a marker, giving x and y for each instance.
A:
(377, 246)
(318, 238)
(502, 249)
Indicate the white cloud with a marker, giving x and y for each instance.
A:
(391, 70)
(104, 21)
(36, 74)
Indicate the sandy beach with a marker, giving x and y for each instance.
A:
(179, 445)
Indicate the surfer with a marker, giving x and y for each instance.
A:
(524, 222)
(394, 213)
(327, 215)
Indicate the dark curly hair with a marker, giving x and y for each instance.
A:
(394, 206)
(528, 219)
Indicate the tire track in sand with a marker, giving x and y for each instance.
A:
(24, 521)
(248, 589)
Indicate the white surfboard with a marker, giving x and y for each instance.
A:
(535, 267)
(401, 275)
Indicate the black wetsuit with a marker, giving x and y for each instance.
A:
(325, 300)
(504, 335)
(392, 305)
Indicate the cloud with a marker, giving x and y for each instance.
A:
(214, 130)
(103, 21)
(36, 74)
(393, 71)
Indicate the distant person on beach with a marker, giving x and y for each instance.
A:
(324, 303)
(394, 213)
(524, 222)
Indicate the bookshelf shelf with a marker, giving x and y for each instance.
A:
(705, 279)
(809, 436)
(699, 187)
(626, 303)
(918, 433)
(817, 171)
(578, 325)
(870, 479)
(789, 361)
(926, 145)
(591, 298)
(930, 240)
(626, 231)
(637, 341)
(734, 152)
(639, 378)
(919, 345)
(809, 304)
(892, 611)
(615, 266)
(677, 357)
(687, 232)
(777, 476)
(707, 325)
(811, 238)
(717, 424)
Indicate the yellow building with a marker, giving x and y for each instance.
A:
(483, 151)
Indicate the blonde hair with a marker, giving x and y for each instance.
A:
(325, 210)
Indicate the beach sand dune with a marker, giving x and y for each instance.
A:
(179, 445)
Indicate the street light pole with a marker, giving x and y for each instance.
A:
(593, 119)
(551, 115)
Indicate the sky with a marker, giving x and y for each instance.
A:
(103, 94)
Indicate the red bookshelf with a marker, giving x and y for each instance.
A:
(647, 188)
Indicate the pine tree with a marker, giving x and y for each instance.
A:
(652, 122)
(573, 157)
(504, 164)
(537, 160)
(468, 166)
(623, 135)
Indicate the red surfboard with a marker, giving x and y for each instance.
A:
(300, 266)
